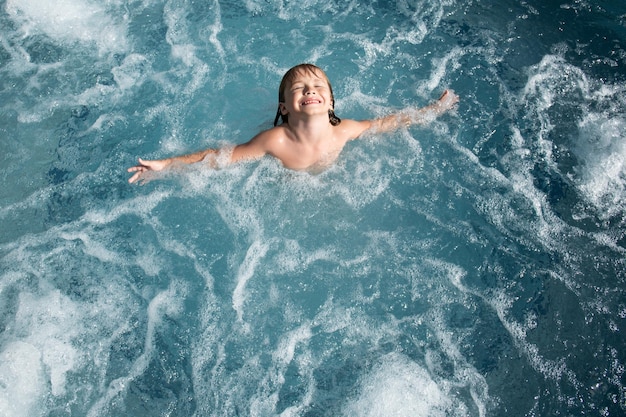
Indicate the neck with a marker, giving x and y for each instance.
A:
(310, 129)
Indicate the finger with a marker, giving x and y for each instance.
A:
(145, 163)
(136, 168)
(135, 177)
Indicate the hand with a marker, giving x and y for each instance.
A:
(429, 113)
(447, 100)
(145, 166)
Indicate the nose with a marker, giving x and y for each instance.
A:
(309, 90)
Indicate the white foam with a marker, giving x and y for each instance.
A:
(165, 303)
(149, 261)
(51, 322)
(70, 20)
(285, 352)
(293, 257)
(554, 70)
(555, 369)
(398, 387)
(87, 33)
(182, 44)
(254, 255)
(265, 402)
(92, 247)
(22, 381)
(141, 206)
(602, 147)
(132, 72)
(439, 70)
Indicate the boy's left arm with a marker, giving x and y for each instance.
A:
(423, 115)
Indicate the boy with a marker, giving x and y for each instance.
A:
(311, 135)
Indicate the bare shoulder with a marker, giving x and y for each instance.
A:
(265, 142)
(351, 129)
(272, 138)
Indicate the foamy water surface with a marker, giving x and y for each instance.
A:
(471, 267)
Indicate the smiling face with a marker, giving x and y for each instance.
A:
(308, 93)
(305, 90)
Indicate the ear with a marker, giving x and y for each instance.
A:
(282, 108)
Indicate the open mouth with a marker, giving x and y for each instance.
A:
(311, 101)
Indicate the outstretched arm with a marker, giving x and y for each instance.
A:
(254, 149)
(161, 164)
(423, 115)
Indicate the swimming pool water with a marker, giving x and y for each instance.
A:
(471, 267)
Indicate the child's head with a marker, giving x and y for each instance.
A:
(288, 79)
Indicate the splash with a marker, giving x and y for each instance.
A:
(69, 21)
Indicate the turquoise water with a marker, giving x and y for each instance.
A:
(473, 267)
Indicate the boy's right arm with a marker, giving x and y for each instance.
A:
(254, 149)
(160, 164)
